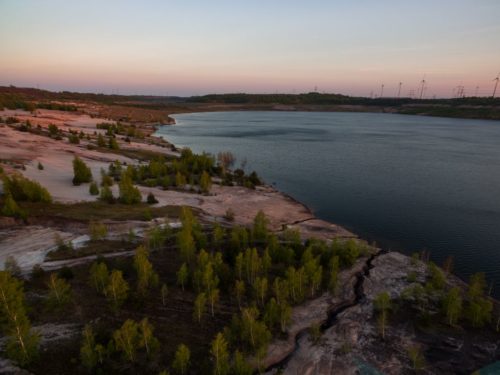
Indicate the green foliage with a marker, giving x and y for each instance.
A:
(129, 194)
(10, 208)
(220, 355)
(259, 230)
(22, 342)
(81, 171)
(182, 275)
(11, 266)
(93, 189)
(127, 339)
(452, 305)
(106, 195)
(91, 353)
(200, 304)
(117, 289)
(101, 142)
(438, 279)
(112, 144)
(240, 365)
(151, 199)
(23, 189)
(182, 359)
(73, 138)
(97, 230)
(382, 303)
(146, 276)
(205, 182)
(99, 276)
(147, 339)
(59, 292)
(479, 307)
(416, 357)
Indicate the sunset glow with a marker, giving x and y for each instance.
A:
(186, 48)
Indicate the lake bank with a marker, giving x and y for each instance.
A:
(410, 183)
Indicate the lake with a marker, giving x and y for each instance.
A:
(408, 182)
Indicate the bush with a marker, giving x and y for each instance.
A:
(23, 189)
(152, 199)
(129, 194)
(93, 189)
(40, 166)
(82, 172)
(107, 195)
(73, 138)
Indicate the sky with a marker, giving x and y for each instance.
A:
(195, 47)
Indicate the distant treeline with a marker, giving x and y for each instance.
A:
(314, 98)
(469, 107)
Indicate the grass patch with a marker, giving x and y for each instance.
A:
(88, 211)
(91, 248)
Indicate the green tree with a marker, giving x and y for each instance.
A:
(452, 305)
(182, 359)
(93, 188)
(239, 291)
(117, 289)
(129, 194)
(99, 276)
(182, 275)
(438, 280)
(112, 144)
(382, 303)
(205, 182)
(127, 339)
(220, 355)
(59, 291)
(10, 208)
(97, 230)
(180, 180)
(416, 357)
(91, 354)
(186, 244)
(240, 365)
(200, 304)
(479, 308)
(146, 276)
(285, 312)
(260, 289)
(213, 297)
(81, 171)
(259, 230)
(101, 142)
(147, 340)
(106, 195)
(22, 343)
(218, 236)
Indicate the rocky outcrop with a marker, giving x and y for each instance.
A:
(352, 343)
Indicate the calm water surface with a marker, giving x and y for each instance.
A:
(408, 182)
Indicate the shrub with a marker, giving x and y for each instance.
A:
(40, 166)
(82, 172)
(73, 138)
(107, 195)
(93, 189)
(23, 189)
(129, 194)
(152, 199)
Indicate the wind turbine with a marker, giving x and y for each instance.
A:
(422, 88)
(382, 90)
(399, 90)
(496, 84)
